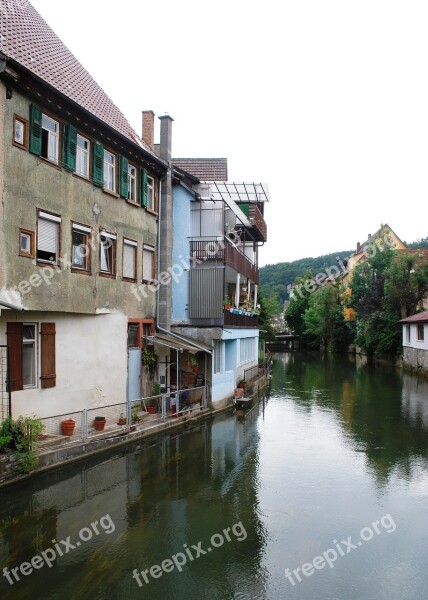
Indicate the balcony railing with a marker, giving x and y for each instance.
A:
(257, 221)
(223, 251)
(240, 320)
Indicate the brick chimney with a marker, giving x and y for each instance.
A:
(149, 128)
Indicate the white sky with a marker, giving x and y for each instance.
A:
(325, 100)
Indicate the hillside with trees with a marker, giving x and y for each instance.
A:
(275, 279)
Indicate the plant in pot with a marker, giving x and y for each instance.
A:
(194, 365)
(67, 427)
(122, 419)
(152, 406)
(241, 383)
(99, 423)
(148, 358)
(226, 303)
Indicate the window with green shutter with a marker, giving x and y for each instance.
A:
(143, 188)
(123, 177)
(69, 136)
(97, 171)
(35, 130)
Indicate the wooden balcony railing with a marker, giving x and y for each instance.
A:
(223, 251)
(240, 320)
(257, 221)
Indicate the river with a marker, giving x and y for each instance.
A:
(319, 492)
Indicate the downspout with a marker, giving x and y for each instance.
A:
(12, 306)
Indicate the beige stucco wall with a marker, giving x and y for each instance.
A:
(91, 363)
(31, 183)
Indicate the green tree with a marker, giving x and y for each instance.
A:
(299, 303)
(324, 318)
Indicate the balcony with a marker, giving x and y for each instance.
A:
(256, 219)
(223, 251)
(234, 320)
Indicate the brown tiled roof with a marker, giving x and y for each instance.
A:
(421, 253)
(419, 318)
(206, 169)
(27, 39)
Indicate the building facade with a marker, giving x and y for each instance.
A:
(78, 227)
(415, 341)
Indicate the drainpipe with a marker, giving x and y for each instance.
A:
(12, 306)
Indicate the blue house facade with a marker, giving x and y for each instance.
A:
(218, 227)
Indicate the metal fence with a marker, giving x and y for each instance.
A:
(124, 417)
(251, 373)
(4, 383)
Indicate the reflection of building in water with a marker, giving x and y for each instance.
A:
(414, 404)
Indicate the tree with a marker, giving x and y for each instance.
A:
(299, 303)
(324, 318)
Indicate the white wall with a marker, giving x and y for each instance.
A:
(91, 363)
(414, 342)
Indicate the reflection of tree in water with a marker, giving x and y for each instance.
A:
(385, 413)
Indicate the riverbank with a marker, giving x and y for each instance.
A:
(55, 458)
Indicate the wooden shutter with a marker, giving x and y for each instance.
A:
(143, 187)
(123, 177)
(14, 341)
(98, 165)
(35, 130)
(69, 140)
(48, 374)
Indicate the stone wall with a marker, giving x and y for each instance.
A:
(416, 359)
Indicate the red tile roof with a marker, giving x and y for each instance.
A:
(27, 39)
(419, 318)
(206, 169)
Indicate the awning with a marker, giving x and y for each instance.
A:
(163, 339)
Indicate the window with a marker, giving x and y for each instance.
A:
(80, 249)
(132, 183)
(247, 349)
(109, 171)
(48, 237)
(420, 332)
(22, 342)
(107, 253)
(82, 156)
(217, 360)
(150, 193)
(408, 333)
(50, 139)
(20, 132)
(29, 355)
(149, 266)
(26, 243)
(129, 268)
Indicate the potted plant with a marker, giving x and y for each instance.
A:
(152, 406)
(148, 357)
(227, 304)
(135, 418)
(99, 423)
(194, 365)
(241, 383)
(67, 427)
(122, 419)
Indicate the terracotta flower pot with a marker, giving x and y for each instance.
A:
(152, 410)
(100, 423)
(239, 392)
(68, 426)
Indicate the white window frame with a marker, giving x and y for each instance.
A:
(30, 342)
(247, 349)
(86, 232)
(52, 148)
(82, 156)
(132, 184)
(20, 125)
(54, 220)
(146, 250)
(420, 327)
(109, 171)
(129, 248)
(108, 241)
(150, 193)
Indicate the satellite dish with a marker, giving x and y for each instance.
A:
(229, 220)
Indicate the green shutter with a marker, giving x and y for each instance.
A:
(35, 130)
(143, 188)
(98, 165)
(69, 137)
(123, 176)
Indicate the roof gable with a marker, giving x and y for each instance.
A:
(28, 40)
(205, 169)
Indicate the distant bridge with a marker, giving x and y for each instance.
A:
(284, 342)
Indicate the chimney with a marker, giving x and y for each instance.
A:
(358, 248)
(165, 137)
(149, 128)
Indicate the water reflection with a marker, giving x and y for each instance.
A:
(385, 413)
(175, 490)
